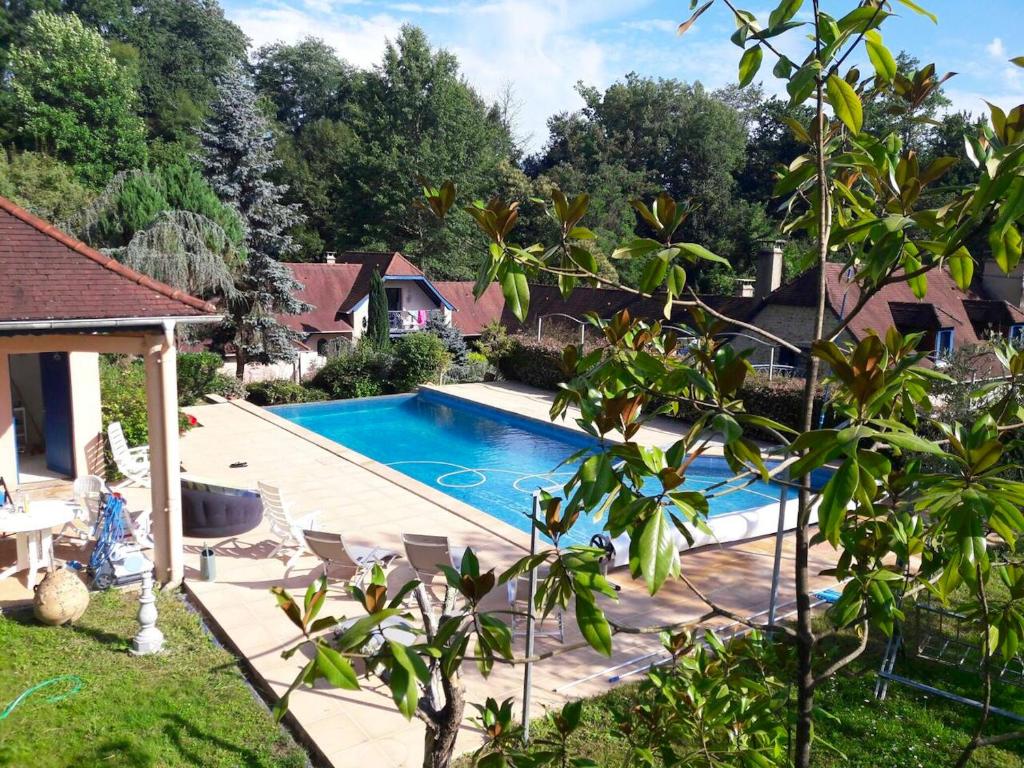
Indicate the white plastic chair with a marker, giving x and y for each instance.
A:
(284, 526)
(85, 494)
(133, 463)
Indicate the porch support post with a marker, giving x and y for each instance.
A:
(164, 456)
(8, 445)
(86, 413)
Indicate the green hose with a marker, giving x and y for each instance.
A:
(56, 697)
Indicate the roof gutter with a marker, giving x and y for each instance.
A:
(34, 326)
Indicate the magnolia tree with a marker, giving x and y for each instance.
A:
(897, 524)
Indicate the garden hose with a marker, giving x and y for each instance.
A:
(78, 683)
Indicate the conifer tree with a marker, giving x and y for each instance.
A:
(239, 160)
(377, 330)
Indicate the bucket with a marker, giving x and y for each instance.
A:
(207, 565)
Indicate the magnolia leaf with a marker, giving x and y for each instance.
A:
(750, 62)
(659, 556)
(785, 11)
(336, 668)
(836, 498)
(919, 10)
(593, 624)
(685, 26)
(881, 58)
(961, 268)
(516, 291)
(699, 251)
(845, 102)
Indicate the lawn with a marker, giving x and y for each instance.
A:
(188, 706)
(907, 730)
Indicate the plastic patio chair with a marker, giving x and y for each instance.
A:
(287, 528)
(355, 561)
(518, 601)
(85, 493)
(133, 463)
(427, 553)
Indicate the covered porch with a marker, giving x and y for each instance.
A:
(64, 305)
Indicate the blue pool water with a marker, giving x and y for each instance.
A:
(487, 458)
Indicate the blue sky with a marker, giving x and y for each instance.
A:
(543, 47)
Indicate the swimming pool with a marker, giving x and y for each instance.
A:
(491, 459)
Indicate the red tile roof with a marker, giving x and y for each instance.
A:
(49, 275)
(335, 289)
(546, 300)
(943, 297)
(324, 288)
(472, 315)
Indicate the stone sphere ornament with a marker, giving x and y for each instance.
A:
(61, 597)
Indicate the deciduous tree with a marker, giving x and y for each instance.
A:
(72, 98)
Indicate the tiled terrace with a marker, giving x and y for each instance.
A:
(373, 505)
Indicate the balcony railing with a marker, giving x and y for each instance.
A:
(410, 320)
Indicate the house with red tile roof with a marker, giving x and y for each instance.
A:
(62, 304)
(948, 318)
(338, 292)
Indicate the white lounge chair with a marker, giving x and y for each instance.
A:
(427, 553)
(133, 463)
(355, 562)
(283, 525)
(518, 601)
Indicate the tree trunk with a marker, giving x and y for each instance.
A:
(240, 365)
(443, 728)
(805, 640)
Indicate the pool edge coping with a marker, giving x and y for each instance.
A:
(448, 503)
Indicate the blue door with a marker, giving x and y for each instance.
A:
(56, 379)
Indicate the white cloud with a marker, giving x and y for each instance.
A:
(541, 47)
(654, 25)
(996, 48)
(359, 40)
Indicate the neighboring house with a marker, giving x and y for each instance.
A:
(551, 313)
(338, 290)
(949, 318)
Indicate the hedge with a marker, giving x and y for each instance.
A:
(282, 392)
(537, 363)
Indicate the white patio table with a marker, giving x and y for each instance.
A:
(34, 531)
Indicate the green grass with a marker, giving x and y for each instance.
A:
(908, 730)
(189, 706)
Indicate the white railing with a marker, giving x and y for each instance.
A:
(411, 320)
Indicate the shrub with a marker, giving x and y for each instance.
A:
(418, 358)
(537, 363)
(452, 338)
(226, 386)
(197, 372)
(494, 342)
(476, 368)
(282, 391)
(123, 399)
(360, 372)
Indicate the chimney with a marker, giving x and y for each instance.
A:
(769, 268)
(744, 287)
(329, 257)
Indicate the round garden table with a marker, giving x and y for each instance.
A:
(34, 532)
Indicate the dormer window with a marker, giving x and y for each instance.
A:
(944, 342)
(1016, 334)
